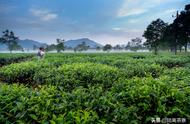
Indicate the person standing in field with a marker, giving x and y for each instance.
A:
(41, 53)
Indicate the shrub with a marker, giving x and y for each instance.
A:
(125, 90)
(148, 98)
(19, 104)
(172, 62)
(20, 72)
(142, 70)
(179, 74)
(6, 59)
(83, 74)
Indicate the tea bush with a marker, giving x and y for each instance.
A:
(20, 72)
(142, 70)
(19, 104)
(173, 62)
(179, 74)
(96, 88)
(6, 59)
(79, 74)
(152, 98)
(131, 101)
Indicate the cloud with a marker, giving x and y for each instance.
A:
(125, 30)
(126, 12)
(44, 15)
(138, 7)
(116, 29)
(134, 21)
(169, 11)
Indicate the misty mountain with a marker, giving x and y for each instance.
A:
(29, 44)
(88, 42)
(26, 44)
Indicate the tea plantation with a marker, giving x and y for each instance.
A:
(111, 88)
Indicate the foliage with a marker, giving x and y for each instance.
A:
(182, 27)
(60, 45)
(177, 34)
(95, 88)
(74, 75)
(10, 40)
(107, 47)
(81, 47)
(154, 34)
(51, 47)
(6, 59)
(135, 44)
(20, 72)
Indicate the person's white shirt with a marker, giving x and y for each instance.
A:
(42, 53)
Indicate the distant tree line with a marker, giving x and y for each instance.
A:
(60, 46)
(134, 45)
(8, 38)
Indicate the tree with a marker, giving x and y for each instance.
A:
(60, 45)
(117, 47)
(81, 47)
(177, 34)
(51, 47)
(107, 47)
(135, 44)
(98, 48)
(10, 40)
(182, 23)
(154, 34)
(168, 40)
(15, 46)
(127, 47)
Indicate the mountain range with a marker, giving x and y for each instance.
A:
(30, 44)
(26, 44)
(88, 42)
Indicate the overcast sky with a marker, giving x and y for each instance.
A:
(105, 21)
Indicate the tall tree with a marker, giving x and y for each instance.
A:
(169, 38)
(183, 26)
(177, 34)
(154, 34)
(60, 45)
(10, 40)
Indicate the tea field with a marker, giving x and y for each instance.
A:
(104, 88)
